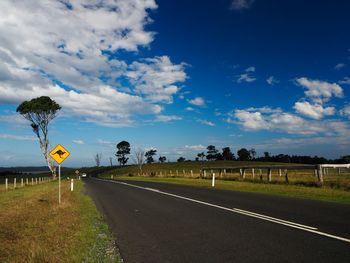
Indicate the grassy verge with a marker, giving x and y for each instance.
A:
(34, 228)
(316, 193)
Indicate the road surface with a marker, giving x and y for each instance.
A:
(156, 222)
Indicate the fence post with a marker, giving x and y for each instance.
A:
(269, 174)
(21, 182)
(6, 184)
(27, 181)
(338, 171)
(280, 172)
(320, 174)
(204, 174)
(32, 181)
(71, 185)
(253, 173)
(14, 183)
(177, 173)
(36, 180)
(191, 173)
(286, 175)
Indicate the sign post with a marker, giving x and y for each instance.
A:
(59, 154)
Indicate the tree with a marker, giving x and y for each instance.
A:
(123, 149)
(40, 112)
(181, 159)
(227, 154)
(98, 158)
(211, 153)
(139, 158)
(243, 154)
(252, 153)
(111, 161)
(149, 155)
(201, 155)
(162, 159)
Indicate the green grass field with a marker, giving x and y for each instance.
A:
(301, 183)
(34, 228)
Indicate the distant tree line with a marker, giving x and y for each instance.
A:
(244, 154)
(123, 150)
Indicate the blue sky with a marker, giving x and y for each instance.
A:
(177, 76)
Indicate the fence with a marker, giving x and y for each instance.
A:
(22, 182)
(319, 170)
(336, 175)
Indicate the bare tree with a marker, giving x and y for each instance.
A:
(139, 158)
(111, 161)
(98, 158)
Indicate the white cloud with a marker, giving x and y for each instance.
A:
(346, 111)
(205, 122)
(189, 109)
(278, 121)
(272, 80)
(250, 120)
(320, 91)
(250, 69)
(346, 80)
(246, 76)
(314, 111)
(265, 109)
(241, 4)
(167, 118)
(339, 66)
(16, 119)
(198, 147)
(198, 101)
(17, 137)
(100, 141)
(78, 142)
(45, 44)
(156, 78)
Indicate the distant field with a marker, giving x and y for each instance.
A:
(34, 228)
(183, 170)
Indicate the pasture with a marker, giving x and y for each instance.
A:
(300, 183)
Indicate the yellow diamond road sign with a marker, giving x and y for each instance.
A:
(59, 153)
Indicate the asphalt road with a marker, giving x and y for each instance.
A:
(157, 222)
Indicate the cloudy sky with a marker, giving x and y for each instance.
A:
(176, 76)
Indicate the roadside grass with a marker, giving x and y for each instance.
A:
(296, 191)
(34, 228)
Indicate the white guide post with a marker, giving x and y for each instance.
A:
(59, 184)
(213, 180)
(71, 185)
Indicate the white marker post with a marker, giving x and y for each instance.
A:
(213, 180)
(71, 185)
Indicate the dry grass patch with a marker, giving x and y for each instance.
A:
(34, 228)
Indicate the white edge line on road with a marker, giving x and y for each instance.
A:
(240, 211)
